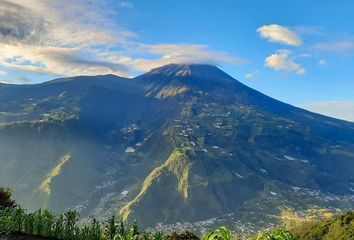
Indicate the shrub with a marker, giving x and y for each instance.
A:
(184, 235)
(5, 198)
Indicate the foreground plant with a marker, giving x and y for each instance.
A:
(278, 234)
(221, 233)
(127, 233)
(157, 236)
(111, 228)
(6, 223)
(71, 218)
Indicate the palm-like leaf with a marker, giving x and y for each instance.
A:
(221, 233)
(278, 234)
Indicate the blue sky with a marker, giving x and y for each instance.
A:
(300, 52)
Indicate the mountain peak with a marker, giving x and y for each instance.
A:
(190, 70)
(181, 70)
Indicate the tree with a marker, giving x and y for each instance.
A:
(5, 198)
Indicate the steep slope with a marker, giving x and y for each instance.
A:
(338, 227)
(183, 142)
(91, 119)
(240, 145)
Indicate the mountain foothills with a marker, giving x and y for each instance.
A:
(181, 143)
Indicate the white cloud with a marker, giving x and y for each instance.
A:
(126, 4)
(279, 34)
(340, 110)
(281, 61)
(50, 37)
(303, 55)
(337, 47)
(52, 60)
(56, 23)
(171, 53)
(251, 74)
(20, 80)
(310, 30)
(322, 62)
(23, 80)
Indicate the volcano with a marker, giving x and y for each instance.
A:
(181, 143)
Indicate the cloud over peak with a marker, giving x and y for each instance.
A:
(279, 34)
(162, 54)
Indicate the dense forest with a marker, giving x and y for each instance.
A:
(16, 224)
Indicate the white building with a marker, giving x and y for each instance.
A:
(130, 150)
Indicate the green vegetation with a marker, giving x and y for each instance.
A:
(42, 223)
(340, 227)
(315, 225)
(278, 234)
(219, 234)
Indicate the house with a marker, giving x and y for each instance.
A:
(130, 150)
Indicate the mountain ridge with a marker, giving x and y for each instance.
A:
(169, 68)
